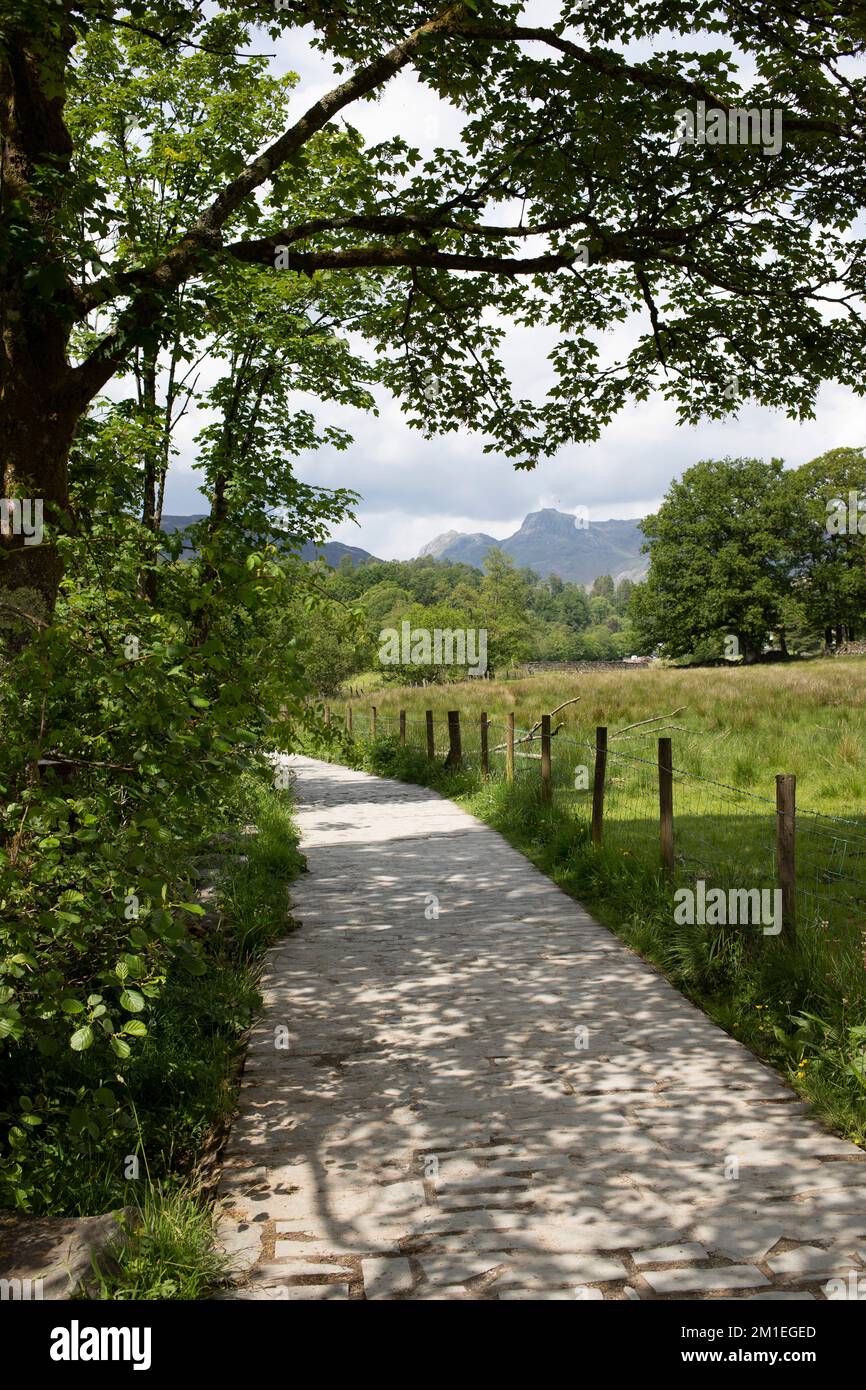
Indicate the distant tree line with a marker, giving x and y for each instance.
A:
(747, 559)
(526, 617)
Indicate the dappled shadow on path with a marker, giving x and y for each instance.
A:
(458, 1064)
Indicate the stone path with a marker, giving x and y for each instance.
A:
(501, 1101)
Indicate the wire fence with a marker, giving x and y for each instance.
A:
(722, 836)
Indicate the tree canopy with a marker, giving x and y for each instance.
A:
(567, 204)
(745, 549)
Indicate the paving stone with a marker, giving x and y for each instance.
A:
(573, 1237)
(456, 1269)
(478, 1242)
(296, 1264)
(475, 1219)
(808, 1259)
(324, 1249)
(705, 1280)
(427, 1293)
(491, 1200)
(241, 1242)
(557, 1269)
(744, 1238)
(669, 1254)
(382, 1278)
(270, 1272)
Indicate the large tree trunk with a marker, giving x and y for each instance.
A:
(37, 411)
(34, 451)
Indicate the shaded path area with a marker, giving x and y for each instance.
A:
(463, 1087)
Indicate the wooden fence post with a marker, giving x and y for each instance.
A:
(546, 780)
(431, 746)
(485, 753)
(403, 727)
(598, 783)
(349, 718)
(666, 803)
(509, 749)
(455, 751)
(786, 812)
(372, 721)
(327, 716)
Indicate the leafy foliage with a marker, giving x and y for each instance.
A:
(129, 723)
(744, 548)
(525, 617)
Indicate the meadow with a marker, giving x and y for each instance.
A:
(735, 725)
(798, 999)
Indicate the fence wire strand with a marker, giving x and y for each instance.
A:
(723, 834)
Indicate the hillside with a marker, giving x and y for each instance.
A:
(552, 542)
(331, 551)
(548, 541)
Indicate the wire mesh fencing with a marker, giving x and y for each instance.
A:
(719, 837)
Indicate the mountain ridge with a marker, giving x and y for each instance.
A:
(547, 541)
(553, 542)
(331, 551)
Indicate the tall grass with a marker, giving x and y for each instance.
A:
(166, 1253)
(742, 724)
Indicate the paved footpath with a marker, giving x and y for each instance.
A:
(463, 1087)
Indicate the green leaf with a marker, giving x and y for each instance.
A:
(132, 1001)
(80, 1041)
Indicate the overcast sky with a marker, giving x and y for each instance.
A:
(412, 489)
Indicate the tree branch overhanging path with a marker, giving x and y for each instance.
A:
(205, 236)
(564, 204)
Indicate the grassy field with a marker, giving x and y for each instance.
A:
(799, 1002)
(742, 724)
(732, 730)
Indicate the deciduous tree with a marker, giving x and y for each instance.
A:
(566, 202)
